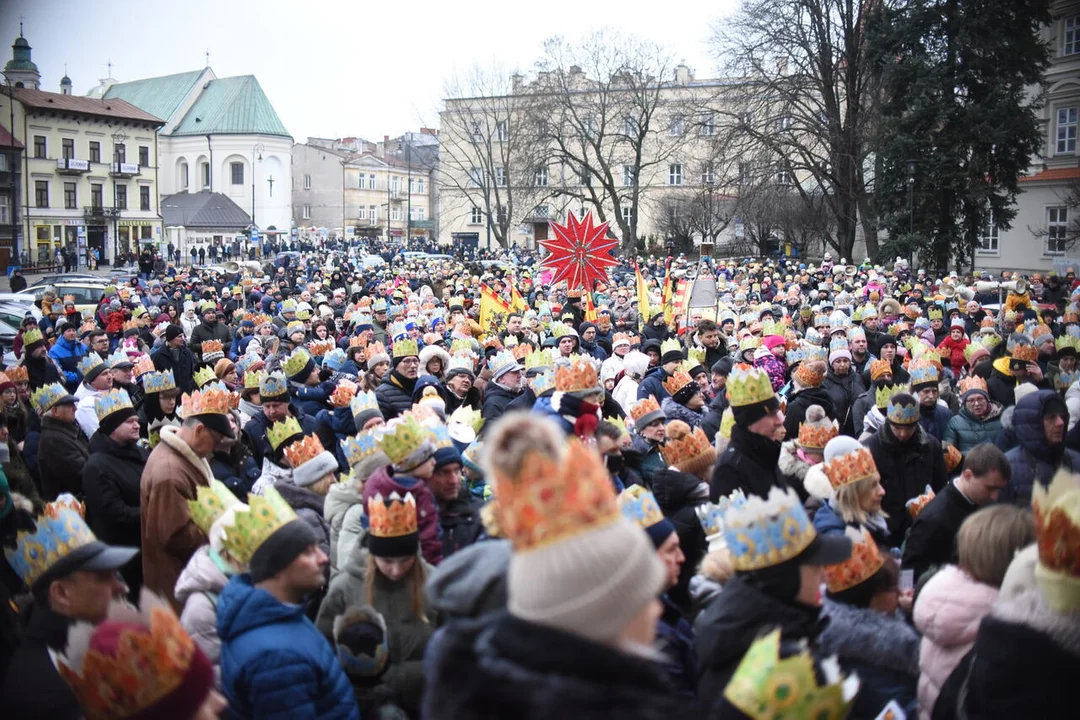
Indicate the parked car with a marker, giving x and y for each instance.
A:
(440, 258)
(87, 294)
(371, 261)
(13, 313)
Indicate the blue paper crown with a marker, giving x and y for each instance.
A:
(761, 533)
(246, 362)
(902, 414)
(923, 373)
(88, 363)
(45, 397)
(379, 305)
(501, 360)
(816, 352)
(543, 382)
(59, 532)
(119, 358)
(440, 437)
(640, 506)
(398, 331)
(273, 385)
(839, 343)
(155, 382)
(362, 402)
(110, 402)
(337, 355)
(359, 447)
(795, 356)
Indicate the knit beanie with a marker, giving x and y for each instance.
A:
(747, 415)
(279, 550)
(361, 642)
(315, 469)
(810, 374)
(723, 366)
(222, 367)
(115, 419)
(172, 332)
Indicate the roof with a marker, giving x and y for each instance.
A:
(232, 106)
(203, 210)
(1053, 175)
(159, 96)
(114, 108)
(6, 140)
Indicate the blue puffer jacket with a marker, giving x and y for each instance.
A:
(274, 663)
(1033, 460)
(338, 423)
(653, 384)
(935, 420)
(255, 430)
(966, 431)
(313, 398)
(67, 355)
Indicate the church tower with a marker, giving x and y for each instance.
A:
(65, 83)
(20, 70)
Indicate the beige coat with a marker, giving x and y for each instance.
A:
(172, 476)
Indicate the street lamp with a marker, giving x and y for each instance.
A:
(256, 151)
(118, 138)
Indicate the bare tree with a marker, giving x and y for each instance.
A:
(807, 96)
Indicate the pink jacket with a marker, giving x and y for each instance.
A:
(947, 613)
(382, 482)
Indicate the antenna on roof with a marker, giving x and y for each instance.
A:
(108, 66)
(207, 58)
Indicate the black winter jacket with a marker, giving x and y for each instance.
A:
(183, 366)
(710, 424)
(460, 522)
(843, 391)
(33, 688)
(748, 464)
(799, 402)
(256, 427)
(62, 452)
(111, 479)
(394, 394)
(496, 398)
(677, 494)
(202, 333)
(906, 469)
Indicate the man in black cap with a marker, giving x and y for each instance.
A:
(63, 448)
(174, 355)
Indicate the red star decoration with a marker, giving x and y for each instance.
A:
(580, 252)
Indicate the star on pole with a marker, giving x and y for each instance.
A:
(580, 252)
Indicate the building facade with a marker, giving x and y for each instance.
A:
(387, 198)
(11, 231)
(318, 187)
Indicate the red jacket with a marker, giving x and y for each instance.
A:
(956, 352)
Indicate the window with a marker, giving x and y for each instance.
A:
(673, 215)
(361, 212)
(39, 146)
(41, 193)
(395, 184)
(477, 132)
(395, 214)
(144, 156)
(586, 177)
(502, 130)
(95, 152)
(236, 169)
(373, 212)
(674, 175)
(474, 177)
(1057, 227)
(476, 217)
(97, 196)
(205, 168)
(68, 148)
(628, 175)
(708, 125)
(1066, 130)
(70, 201)
(630, 126)
(416, 214)
(589, 127)
(542, 211)
(708, 174)
(677, 126)
(3, 162)
(627, 214)
(371, 182)
(5, 210)
(307, 212)
(359, 182)
(785, 178)
(144, 197)
(420, 186)
(420, 213)
(120, 152)
(412, 185)
(307, 182)
(988, 239)
(1071, 40)
(540, 179)
(121, 197)
(744, 174)
(183, 176)
(500, 177)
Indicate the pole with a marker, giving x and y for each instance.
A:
(408, 191)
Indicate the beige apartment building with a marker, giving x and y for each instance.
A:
(387, 197)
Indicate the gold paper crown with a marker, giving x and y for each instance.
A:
(295, 363)
(578, 376)
(1027, 353)
(683, 450)
(304, 450)
(31, 336)
(264, 515)
(670, 345)
(205, 402)
(394, 517)
(203, 376)
(131, 325)
(405, 348)
(748, 385)
(640, 506)
(319, 348)
(879, 368)
(643, 407)
(401, 437)
(343, 394)
(143, 365)
(550, 499)
(210, 503)
(678, 380)
(850, 467)
(816, 436)
(766, 687)
(147, 663)
(539, 359)
(252, 378)
(281, 431)
(467, 415)
(18, 374)
(883, 394)
(865, 560)
(694, 357)
(1057, 532)
(211, 346)
(617, 422)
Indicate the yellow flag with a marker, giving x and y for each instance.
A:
(517, 303)
(642, 297)
(493, 309)
(590, 309)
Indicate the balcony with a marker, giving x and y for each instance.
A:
(97, 215)
(71, 166)
(124, 170)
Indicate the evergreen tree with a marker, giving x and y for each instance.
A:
(959, 119)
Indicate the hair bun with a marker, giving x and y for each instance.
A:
(677, 430)
(814, 413)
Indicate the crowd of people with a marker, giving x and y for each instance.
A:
(440, 488)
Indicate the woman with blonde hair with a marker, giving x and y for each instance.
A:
(849, 484)
(953, 603)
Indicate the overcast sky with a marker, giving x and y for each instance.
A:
(334, 68)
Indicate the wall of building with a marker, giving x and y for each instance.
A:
(316, 186)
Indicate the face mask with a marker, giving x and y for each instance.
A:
(614, 463)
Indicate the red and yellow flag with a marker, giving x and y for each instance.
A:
(493, 309)
(642, 296)
(590, 309)
(517, 302)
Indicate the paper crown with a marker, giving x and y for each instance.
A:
(521, 350)
(934, 313)
(916, 504)
(405, 347)
(135, 668)
(1026, 353)
(749, 342)
(265, 514)
(923, 371)
(467, 415)
(973, 382)
(211, 348)
(205, 402)
(810, 373)
(643, 407)
(491, 342)
(393, 517)
(678, 380)
(156, 382)
(210, 503)
(356, 341)
(865, 560)
(1057, 532)
(815, 436)
(953, 457)
(461, 345)
(343, 394)
(542, 382)
(359, 447)
(281, 431)
(45, 397)
(319, 348)
(89, 363)
(203, 376)
(273, 385)
(815, 352)
(878, 368)
(681, 451)
(32, 336)
(639, 505)
(302, 451)
(18, 374)
(766, 687)
(904, 412)
(761, 532)
(617, 422)
(579, 375)
(551, 499)
(142, 366)
(883, 394)
(711, 516)
(670, 345)
(401, 437)
(850, 467)
(59, 531)
(558, 330)
(501, 362)
(131, 325)
(111, 402)
(1067, 343)
(295, 363)
(748, 385)
(118, 358)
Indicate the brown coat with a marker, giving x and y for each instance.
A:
(172, 476)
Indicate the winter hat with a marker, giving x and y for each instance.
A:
(1023, 390)
(810, 374)
(639, 506)
(172, 332)
(309, 461)
(771, 341)
(222, 367)
(686, 450)
(577, 565)
(723, 366)
(635, 364)
(279, 549)
(816, 430)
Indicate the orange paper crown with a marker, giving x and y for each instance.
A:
(211, 346)
(205, 402)
(356, 341)
(816, 436)
(301, 451)
(810, 374)
(644, 407)
(578, 376)
(916, 504)
(1027, 353)
(521, 350)
(1057, 532)
(550, 499)
(973, 382)
(18, 374)
(393, 518)
(143, 365)
(131, 325)
(319, 348)
(682, 451)
(865, 560)
(375, 348)
(850, 467)
(678, 380)
(343, 394)
(879, 368)
(953, 458)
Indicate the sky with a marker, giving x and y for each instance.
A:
(335, 68)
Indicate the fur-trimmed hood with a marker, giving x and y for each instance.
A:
(181, 448)
(790, 463)
(865, 635)
(433, 351)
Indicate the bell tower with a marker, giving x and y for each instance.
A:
(20, 70)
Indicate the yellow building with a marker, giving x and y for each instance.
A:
(387, 197)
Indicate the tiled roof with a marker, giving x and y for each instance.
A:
(1053, 175)
(114, 108)
(203, 210)
(6, 140)
(236, 106)
(159, 96)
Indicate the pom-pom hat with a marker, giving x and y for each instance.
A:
(1057, 533)
(816, 430)
(686, 450)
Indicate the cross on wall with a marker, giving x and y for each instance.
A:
(271, 181)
